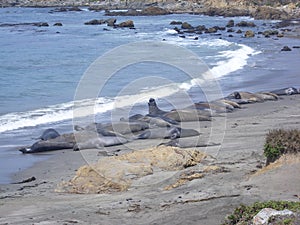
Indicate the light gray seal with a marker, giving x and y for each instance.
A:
(99, 142)
(286, 91)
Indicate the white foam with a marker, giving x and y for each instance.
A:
(51, 114)
(228, 62)
(235, 60)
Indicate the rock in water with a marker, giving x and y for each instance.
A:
(230, 23)
(249, 34)
(186, 26)
(286, 49)
(128, 23)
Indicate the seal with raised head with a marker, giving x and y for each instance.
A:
(177, 115)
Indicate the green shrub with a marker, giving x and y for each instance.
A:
(243, 214)
(280, 142)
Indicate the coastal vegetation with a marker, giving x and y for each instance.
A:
(244, 214)
(279, 142)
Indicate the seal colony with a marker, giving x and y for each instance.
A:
(157, 124)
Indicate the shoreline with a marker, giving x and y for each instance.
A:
(215, 195)
(240, 155)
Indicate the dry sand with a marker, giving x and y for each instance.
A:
(206, 200)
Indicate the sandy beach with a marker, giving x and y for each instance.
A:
(237, 155)
(202, 201)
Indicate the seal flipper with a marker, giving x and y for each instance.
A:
(25, 150)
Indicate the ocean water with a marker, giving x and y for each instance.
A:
(41, 68)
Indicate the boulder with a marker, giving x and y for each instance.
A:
(128, 23)
(95, 22)
(239, 31)
(186, 26)
(230, 23)
(211, 30)
(111, 22)
(154, 10)
(116, 173)
(245, 24)
(176, 23)
(230, 30)
(270, 32)
(286, 49)
(262, 218)
(41, 24)
(200, 28)
(57, 24)
(249, 34)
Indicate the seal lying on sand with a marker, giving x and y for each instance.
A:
(177, 115)
(170, 132)
(65, 141)
(99, 142)
(109, 129)
(87, 139)
(49, 134)
(244, 97)
(286, 91)
(153, 121)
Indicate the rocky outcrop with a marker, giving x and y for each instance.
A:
(263, 9)
(37, 24)
(116, 173)
(269, 13)
(262, 218)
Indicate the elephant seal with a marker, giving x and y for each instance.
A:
(65, 141)
(151, 120)
(99, 142)
(244, 97)
(286, 91)
(49, 134)
(44, 146)
(267, 96)
(153, 108)
(167, 133)
(183, 115)
(187, 115)
(115, 129)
